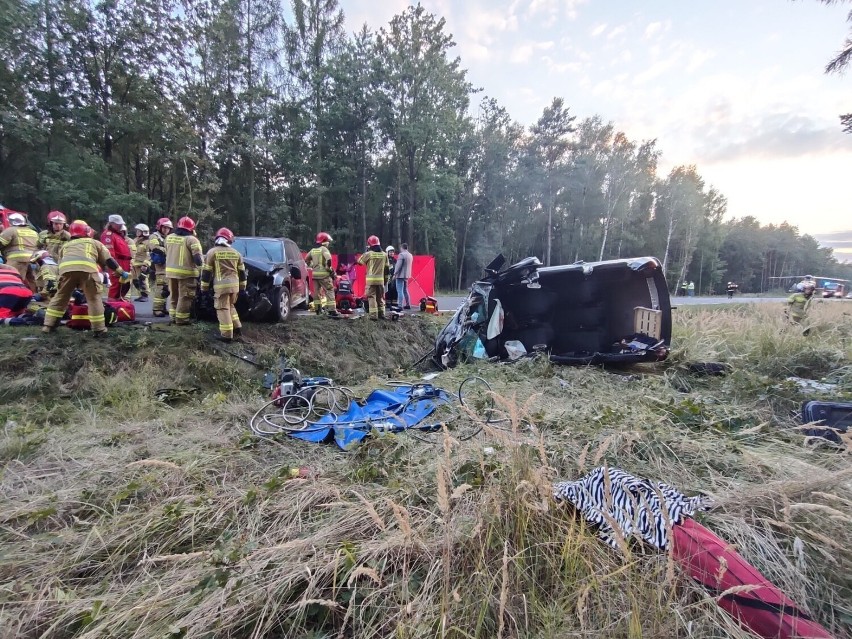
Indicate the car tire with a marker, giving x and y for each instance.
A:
(281, 304)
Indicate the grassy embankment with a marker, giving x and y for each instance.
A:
(122, 515)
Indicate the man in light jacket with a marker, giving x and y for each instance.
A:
(401, 274)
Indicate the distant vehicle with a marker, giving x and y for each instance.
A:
(616, 311)
(277, 280)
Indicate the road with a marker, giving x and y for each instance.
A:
(451, 303)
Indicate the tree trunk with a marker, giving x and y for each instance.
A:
(463, 251)
(363, 195)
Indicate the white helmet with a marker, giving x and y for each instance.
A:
(16, 219)
(142, 228)
(116, 219)
(389, 249)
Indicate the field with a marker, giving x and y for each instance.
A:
(128, 512)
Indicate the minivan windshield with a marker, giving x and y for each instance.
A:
(265, 250)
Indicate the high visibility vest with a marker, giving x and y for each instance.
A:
(180, 250)
(18, 243)
(84, 254)
(141, 252)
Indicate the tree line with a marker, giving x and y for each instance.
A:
(228, 112)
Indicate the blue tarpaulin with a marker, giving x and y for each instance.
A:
(384, 411)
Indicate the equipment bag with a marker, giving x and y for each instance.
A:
(80, 317)
(124, 310)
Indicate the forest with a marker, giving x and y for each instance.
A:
(279, 120)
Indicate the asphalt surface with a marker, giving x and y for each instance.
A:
(144, 310)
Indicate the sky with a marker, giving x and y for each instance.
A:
(735, 87)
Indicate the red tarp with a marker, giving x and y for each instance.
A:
(421, 284)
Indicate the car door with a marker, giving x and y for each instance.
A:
(298, 287)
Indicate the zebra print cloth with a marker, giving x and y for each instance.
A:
(608, 497)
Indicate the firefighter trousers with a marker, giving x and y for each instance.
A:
(324, 292)
(226, 312)
(91, 285)
(376, 300)
(161, 288)
(140, 280)
(181, 298)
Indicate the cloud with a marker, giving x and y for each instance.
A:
(598, 30)
(616, 31)
(552, 9)
(772, 136)
(523, 53)
(657, 28)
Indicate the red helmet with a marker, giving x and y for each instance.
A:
(224, 233)
(373, 240)
(164, 221)
(323, 237)
(78, 228)
(186, 223)
(56, 216)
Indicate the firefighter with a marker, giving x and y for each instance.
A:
(225, 271)
(377, 270)
(183, 262)
(17, 244)
(799, 303)
(46, 278)
(55, 235)
(319, 259)
(79, 268)
(141, 263)
(118, 249)
(157, 246)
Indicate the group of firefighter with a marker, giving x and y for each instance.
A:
(382, 267)
(66, 258)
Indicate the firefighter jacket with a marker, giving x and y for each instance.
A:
(142, 252)
(117, 247)
(224, 269)
(46, 277)
(52, 242)
(319, 259)
(18, 243)
(799, 304)
(84, 255)
(377, 265)
(183, 255)
(157, 247)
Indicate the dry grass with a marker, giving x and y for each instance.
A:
(127, 517)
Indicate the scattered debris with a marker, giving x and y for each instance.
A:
(812, 386)
(827, 420)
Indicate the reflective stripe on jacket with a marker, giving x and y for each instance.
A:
(142, 254)
(377, 263)
(224, 267)
(180, 250)
(319, 259)
(18, 243)
(83, 255)
(52, 242)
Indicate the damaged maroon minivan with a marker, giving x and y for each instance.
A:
(616, 311)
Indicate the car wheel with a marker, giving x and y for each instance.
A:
(281, 304)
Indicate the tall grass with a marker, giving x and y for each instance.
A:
(128, 517)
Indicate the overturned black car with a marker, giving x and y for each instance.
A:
(615, 311)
